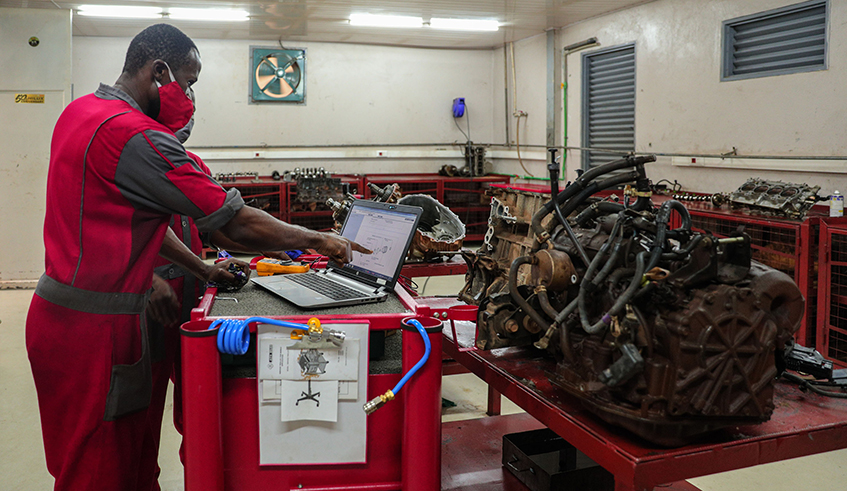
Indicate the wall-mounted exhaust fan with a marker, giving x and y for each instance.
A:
(277, 75)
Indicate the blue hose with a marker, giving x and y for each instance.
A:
(234, 334)
(420, 363)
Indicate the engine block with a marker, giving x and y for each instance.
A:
(664, 331)
(775, 197)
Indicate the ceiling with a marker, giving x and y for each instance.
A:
(326, 20)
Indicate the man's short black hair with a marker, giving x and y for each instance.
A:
(159, 41)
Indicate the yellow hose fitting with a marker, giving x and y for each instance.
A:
(315, 326)
(377, 402)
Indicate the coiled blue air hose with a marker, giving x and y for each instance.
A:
(234, 334)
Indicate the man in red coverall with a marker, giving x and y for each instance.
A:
(117, 174)
(178, 291)
(181, 294)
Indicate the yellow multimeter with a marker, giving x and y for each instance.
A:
(268, 267)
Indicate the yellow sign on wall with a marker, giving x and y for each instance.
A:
(29, 98)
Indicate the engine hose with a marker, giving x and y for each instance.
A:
(593, 282)
(234, 334)
(573, 203)
(428, 348)
(806, 385)
(606, 207)
(630, 161)
(595, 263)
(624, 299)
(554, 191)
(560, 321)
(581, 182)
(544, 300)
(610, 263)
(548, 309)
(642, 203)
(565, 343)
(661, 236)
(685, 251)
(569, 192)
(662, 219)
(516, 296)
(633, 288)
(683, 213)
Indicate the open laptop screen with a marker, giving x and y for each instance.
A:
(386, 232)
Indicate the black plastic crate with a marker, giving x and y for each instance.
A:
(544, 461)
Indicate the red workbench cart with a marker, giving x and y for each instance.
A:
(221, 422)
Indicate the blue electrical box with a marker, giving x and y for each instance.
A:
(458, 107)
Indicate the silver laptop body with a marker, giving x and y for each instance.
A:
(385, 228)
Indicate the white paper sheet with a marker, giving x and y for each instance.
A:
(343, 439)
(309, 400)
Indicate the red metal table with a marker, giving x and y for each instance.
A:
(455, 265)
(802, 424)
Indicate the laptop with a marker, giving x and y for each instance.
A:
(385, 228)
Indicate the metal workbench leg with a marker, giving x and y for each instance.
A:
(493, 402)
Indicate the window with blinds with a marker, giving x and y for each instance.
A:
(787, 40)
(608, 104)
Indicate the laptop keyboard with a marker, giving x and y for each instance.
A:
(324, 286)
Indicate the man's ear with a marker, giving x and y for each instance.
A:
(160, 72)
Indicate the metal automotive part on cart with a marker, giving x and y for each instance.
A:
(664, 331)
(439, 233)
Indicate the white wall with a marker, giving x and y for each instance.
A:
(682, 107)
(383, 96)
(531, 97)
(25, 131)
(355, 95)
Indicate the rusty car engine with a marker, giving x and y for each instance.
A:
(664, 331)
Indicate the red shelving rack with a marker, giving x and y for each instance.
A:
(831, 333)
(465, 196)
(319, 218)
(264, 193)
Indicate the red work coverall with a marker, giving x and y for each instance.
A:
(165, 353)
(115, 179)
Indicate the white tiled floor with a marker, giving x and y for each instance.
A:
(22, 465)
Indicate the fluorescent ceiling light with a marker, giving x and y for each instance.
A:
(120, 11)
(464, 24)
(372, 20)
(227, 15)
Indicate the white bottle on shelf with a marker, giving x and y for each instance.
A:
(836, 205)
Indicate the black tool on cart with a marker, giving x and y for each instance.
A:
(237, 284)
(809, 361)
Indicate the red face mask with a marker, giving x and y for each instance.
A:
(175, 108)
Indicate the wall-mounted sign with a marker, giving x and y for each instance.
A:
(29, 98)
